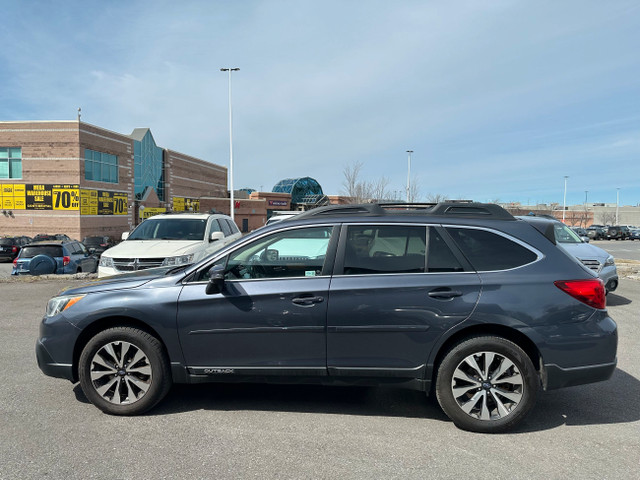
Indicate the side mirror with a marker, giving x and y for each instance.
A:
(215, 236)
(216, 280)
(125, 235)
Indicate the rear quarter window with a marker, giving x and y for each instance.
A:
(488, 251)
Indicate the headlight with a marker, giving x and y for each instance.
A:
(179, 260)
(609, 261)
(106, 262)
(60, 304)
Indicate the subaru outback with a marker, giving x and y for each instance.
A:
(461, 300)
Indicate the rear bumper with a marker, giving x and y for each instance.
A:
(558, 377)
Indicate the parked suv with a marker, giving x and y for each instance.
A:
(618, 232)
(10, 247)
(55, 256)
(169, 240)
(459, 299)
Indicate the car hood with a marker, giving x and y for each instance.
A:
(152, 248)
(123, 281)
(585, 251)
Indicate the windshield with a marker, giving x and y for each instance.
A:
(170, 229)
(565, 235)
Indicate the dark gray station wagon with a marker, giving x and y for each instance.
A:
(459, 299)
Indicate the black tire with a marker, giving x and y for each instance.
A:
(118, 387)
(484, 396)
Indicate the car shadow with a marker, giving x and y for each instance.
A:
(614, 300)
(592, 404)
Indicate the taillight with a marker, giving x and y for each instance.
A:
(66, 260)
(103, 244)
(591, 292)
(14, 249)
(15, 262)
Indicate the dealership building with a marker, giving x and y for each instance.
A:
(79, 179)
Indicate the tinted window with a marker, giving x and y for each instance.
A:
(32, 251)
(233, 227)
(294, 253)
(7, 241)
(225, 227)
(385, 249)
(440, 258)
(487, 251)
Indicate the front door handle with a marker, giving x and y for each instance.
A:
(444, 294)
(307, 300)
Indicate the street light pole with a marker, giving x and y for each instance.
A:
(232, 205)
(564, 201)
(409, 175)
(617, 204)
(586, 195)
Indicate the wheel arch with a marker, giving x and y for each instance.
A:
(103, 324)
(509, 333)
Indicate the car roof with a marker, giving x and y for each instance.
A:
(201, 216)
(50, 242)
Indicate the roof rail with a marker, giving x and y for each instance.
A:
(448, 208)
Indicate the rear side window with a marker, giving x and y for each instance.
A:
(384, 249)
(51, 250)
(233, 227)
(487, 251)
(225, 227)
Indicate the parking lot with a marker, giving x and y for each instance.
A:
(238, 431)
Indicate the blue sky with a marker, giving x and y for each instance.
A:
(498, 100)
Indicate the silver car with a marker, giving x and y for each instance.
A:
(591, 256)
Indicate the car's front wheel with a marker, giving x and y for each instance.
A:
(124, 371)
(486, 384)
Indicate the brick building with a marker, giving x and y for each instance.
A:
(75, 178)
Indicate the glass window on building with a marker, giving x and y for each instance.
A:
(148, 164)
(100, 167)
(10, 162)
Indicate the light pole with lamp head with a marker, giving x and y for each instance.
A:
(232, 205)
(617, 204)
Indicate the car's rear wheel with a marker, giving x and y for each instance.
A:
(486, 384)
(124, 371)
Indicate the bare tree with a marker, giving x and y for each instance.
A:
(379, 190)
(414, 190)
(436, 197)
(608, 218)
(351, 180)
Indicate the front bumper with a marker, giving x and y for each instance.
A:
(49, 366)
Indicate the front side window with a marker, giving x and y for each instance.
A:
(488, 251)
(292, 253)
(385, 249)
(100, 166)
(10, 162)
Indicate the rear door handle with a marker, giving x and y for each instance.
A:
(445, 294)
(307, 300)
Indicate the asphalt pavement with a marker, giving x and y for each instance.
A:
(49, 430)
